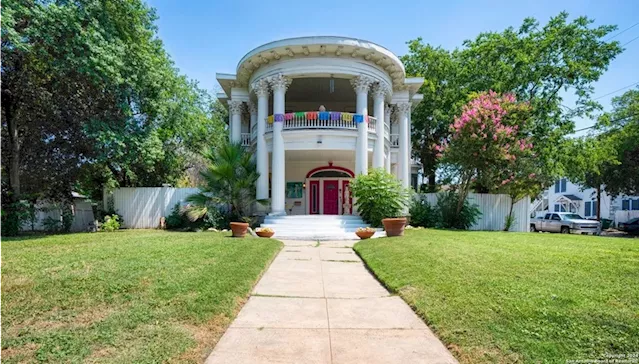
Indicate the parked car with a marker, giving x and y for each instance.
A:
(565, 223)
(630, 227)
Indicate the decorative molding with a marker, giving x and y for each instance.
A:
(339, 51)
(275, 54)
(403, 107)
(261, 87)
(361, 83)
(393, 114)
(236, 107)
(330, 167)
(381, 89)
(253, 108)
(279, 81)
(290, 52)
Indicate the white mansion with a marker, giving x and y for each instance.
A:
(318, 111)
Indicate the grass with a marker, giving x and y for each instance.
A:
(128, 296)
(496, 297)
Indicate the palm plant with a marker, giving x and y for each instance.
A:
(230, 179)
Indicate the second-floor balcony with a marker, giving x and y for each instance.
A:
(320, 120)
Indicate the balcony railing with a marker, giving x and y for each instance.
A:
(394, 140)
(245, 139)
(320, 120)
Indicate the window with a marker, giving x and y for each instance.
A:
(587, 208)
(555, 217)
(556, 207)
(331, 173)
(634, 205)
(561, 185)
(625, 205)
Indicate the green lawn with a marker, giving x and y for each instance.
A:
(516, 297)
(129, 296)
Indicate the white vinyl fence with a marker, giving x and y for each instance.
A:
(142, 207)
(495, 209)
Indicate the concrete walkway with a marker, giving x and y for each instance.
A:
(319, 304)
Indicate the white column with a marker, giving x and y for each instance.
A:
(230, 124)
(261, 88)
(404, 108)
(279, 84)
(235, 109)
(380, 91)
(361, 86)
(387, 120)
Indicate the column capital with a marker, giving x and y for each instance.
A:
(253, 108)
(235, 107)
(261, 87)
(279, 81)
(361, 83)
(403, 107)
(380, 90)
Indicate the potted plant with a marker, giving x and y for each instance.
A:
(265, 232)
(229, 180)
(365, 233)
(382, 200)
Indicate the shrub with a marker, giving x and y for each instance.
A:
(111, 223)
(422, 213)
(449, 218)
(14, 215)
(67, 218)
(179, 220)
(379, 195)
(51, 225)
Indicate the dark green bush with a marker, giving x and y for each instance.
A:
(449, 219)
(213, 218)
(422, 213)
(379, 195)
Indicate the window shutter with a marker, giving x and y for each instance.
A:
(625, 205)
(634, 205)
(587, 208)
(557, 186)
(563, 187)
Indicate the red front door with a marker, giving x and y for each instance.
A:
(330, 197)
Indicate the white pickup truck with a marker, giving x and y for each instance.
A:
(565, 223)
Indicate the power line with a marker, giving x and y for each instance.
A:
(612, 121)
(613, 36)
(618, 90)
(636, 38)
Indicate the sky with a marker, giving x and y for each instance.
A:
(204, 37)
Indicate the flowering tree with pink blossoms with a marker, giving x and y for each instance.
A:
(490, 143)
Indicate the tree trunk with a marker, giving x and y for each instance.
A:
(432, 182)
(464, 191)
(507, 226)
(14, 147)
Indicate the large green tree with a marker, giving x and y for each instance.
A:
(621, 126)
(536, 63)
(91, 99)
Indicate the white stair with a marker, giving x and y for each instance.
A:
(315, 227)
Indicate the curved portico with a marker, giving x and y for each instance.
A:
(306, 103)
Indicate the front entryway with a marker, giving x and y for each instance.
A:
(330, 197)
(328, 191)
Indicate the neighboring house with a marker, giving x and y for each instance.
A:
(318, 111)
(564, 196)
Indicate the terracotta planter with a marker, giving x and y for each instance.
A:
(395, 226)
(265, 234)
(239, 229)
(365, 234)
